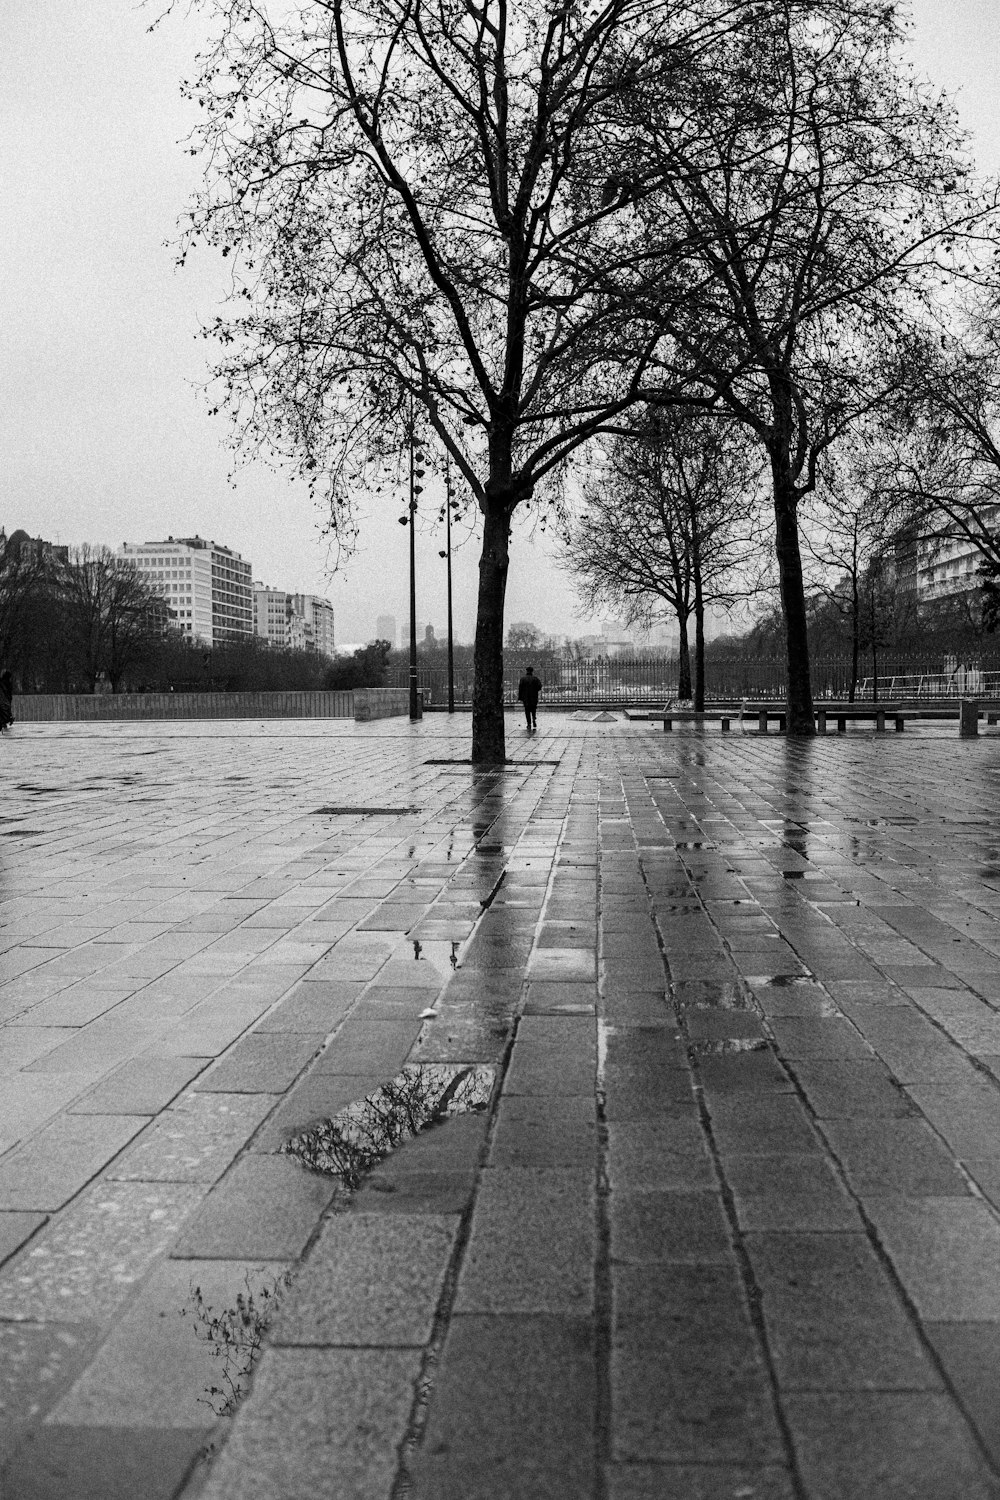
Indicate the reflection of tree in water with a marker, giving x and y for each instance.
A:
(360, 1136)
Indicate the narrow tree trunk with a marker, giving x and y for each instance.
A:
(683, 660)
(874, 658)
(488, 743)
(855, 645)
(793, 600)
(855, 618)
(699, 645)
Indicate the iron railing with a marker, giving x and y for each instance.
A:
(654, 679)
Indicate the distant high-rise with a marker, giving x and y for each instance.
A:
(385, 629)
(208, 588)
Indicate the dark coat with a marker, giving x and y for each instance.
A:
(528, 690)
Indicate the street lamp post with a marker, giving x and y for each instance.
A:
(451, 649)
(411, 519)
(414, 704)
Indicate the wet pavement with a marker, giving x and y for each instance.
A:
(678, 1175)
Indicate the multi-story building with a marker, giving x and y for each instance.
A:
(272, 612)
(298, 622)
(951, 565)
(318, 613)
(207, 588)
(385, 629)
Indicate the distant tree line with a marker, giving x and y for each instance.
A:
(83, 620)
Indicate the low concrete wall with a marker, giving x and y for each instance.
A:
(383, 703)
(87, 707)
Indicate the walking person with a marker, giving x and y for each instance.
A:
(528, 690)
(6, 700)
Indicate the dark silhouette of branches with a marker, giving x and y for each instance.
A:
(111, 615)
(417, 203)
(822, 200)
(669, 523)
(940, 457)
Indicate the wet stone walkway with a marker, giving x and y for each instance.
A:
(727, 1228)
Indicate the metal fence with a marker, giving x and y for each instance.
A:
(654, 679)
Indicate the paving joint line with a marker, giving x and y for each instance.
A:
(603, 1283)
(751, 1290)
(419, 1416)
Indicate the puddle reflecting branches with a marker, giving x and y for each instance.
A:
(353, 1142)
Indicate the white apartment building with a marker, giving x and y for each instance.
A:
(207, 588)
(952, 565)
(320, 612)
(298, 622)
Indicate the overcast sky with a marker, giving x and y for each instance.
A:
(105, 435)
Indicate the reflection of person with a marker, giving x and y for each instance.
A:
(528, 690)
(6, 699)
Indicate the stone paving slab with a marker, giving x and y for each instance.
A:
(142, 1086)
(86, 1262)
(532, 1243)
(728, 1226)
(513, 1413)
(156, 1368)
(369, 1282)
(891, 1444)
(265, 1208)
(95, 1463)
(51, 1168)
(323, 1421)
(689, 1382)
(194, 1139)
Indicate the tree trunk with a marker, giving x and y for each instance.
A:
(793, 600)
(855, 650)
(874, 655)
(488, 743)
(683, 660)
(699, 645)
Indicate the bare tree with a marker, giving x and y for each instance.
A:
(417, 204)
(111, 614)
(669, 521)
(854, 543)
(28, 571)
(821, 203)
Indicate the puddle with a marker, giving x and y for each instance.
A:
(783, 981)
(353, 1142)
(441, 955)
(727, 1046)
(489, 770)
(705, 994)
(382, 812)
